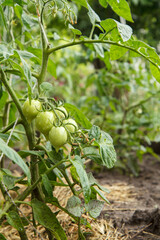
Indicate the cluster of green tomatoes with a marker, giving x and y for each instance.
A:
(54, 123)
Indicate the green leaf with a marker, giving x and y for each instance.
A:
(122, 8)
(103, 3)
(1, 90)
(95, 207)
(155, 72)
(78, 115)
(10, 181)
(96, 190)
(46, 88)
(93, 182)
(44, 216)
(93, 154)
(94, 18)
(26, 69)
(107, 151)
(74, 206)
(2, 237)
(13, 155)
(28, 21)
(47, 185)
(94, 132)
(3, 100)
(106, 60)
(15, 221)
(3, 17)
(117, 52)
(81, 2)
(26, 153)
(75, 31)
(77, 163)
(124, 30)
(99, 48)
(18, 11)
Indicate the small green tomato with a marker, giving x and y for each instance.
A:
(44, 121)
(30, 110)
(71, 125)
(58, 137)
(62, 112)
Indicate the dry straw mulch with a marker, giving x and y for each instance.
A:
(101, 229)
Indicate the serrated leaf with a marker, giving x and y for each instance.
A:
(155, 72)
(93, 16)
(117, 52)
(107, 151)
(94, 132)
(9, 181)
(74, 206)
(44, 216)
(122, 8)
(95, 207)
(78, 115)
(77, 163)
(124, 30)
(13, 155)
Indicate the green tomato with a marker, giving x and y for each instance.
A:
(71, 125)
(58, 137)
(44, 122)
(62, 112)
(30, 110)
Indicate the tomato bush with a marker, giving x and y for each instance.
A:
(32, 68)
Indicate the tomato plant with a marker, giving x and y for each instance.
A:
(29, 72)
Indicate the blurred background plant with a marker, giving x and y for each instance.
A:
(120, 96)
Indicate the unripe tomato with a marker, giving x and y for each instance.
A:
(58, 137)
(44, 122)
(71, 125)
(60, 113)
(30, 110)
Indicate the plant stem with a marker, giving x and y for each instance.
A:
(91, 41)
(28, 190)
(6, 129)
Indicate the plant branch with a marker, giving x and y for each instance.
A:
(91, 41)
(10, 126)
(28, 190)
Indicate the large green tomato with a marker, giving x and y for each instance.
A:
(30, 110)
(44, 122)
(58, 137)
(71, 125)
(62, 112)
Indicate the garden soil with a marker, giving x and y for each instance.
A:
(134, 212)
